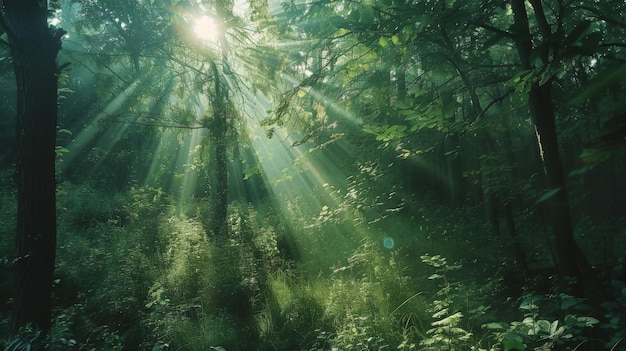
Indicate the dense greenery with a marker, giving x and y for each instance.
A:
(320, 175)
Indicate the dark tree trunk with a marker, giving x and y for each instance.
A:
(34, 48)
(509, 221)
(571, 260)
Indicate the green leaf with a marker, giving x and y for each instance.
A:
(570, 320)
(528, 304)
(568, 301)
(395, 39)
(579, 171)
(587, 321)
(383, 41)
(547, 195)
(354, 16)
(554, 327)
(513, 342)
(404, 104)
(448, 321)
(495, 326)
(543, 325)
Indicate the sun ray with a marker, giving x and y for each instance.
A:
(191, 172)
(92, 130)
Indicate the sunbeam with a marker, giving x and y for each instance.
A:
(312, 175)
(92, 132)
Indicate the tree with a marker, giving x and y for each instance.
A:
(194, 82)
(436, 78)
(571, 260)
(34, 47)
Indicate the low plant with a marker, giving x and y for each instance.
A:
(447, 332)
(543, 332)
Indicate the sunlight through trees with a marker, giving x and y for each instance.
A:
(312, 175)
(207, 28)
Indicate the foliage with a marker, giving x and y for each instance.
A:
(536, 332)
(405, 121)
(447, 332)
(368, 302)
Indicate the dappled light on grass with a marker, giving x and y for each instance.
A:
(303, 188)
(191, 168)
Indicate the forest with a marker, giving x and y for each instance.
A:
(313, 175)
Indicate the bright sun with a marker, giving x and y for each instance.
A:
(206, 28)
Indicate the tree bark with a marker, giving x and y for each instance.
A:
(220, 197)
(222, 111)
(34, 47)
(542, 111)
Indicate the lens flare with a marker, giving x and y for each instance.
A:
(388, 243)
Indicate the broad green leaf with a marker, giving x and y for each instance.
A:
(354, 16)
(383, 41)
(568, 301)
(570, 320)
(450, 320)
(543, 325)
(587, 321)
(513, 342)
(554, 328)
(513, 345)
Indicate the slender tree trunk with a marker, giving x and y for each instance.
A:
(220, 198)
(34, 48)
(222, 112)
(219, 128)
(455, 187)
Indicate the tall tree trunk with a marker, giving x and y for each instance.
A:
(34, 48)
(222, 112)
(219, 128)
(220, 198)
(568, 253)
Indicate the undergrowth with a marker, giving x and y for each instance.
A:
(135, 272)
